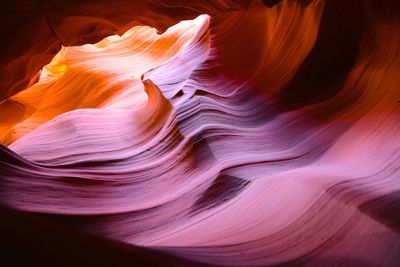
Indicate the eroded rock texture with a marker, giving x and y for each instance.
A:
(197, 133)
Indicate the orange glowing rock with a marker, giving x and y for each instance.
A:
(105, 74)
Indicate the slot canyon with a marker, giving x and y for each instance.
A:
(200, 133)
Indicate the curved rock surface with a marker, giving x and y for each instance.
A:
(188, 133)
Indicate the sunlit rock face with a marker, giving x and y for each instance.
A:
(197, 133)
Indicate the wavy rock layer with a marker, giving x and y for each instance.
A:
(260, 133)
